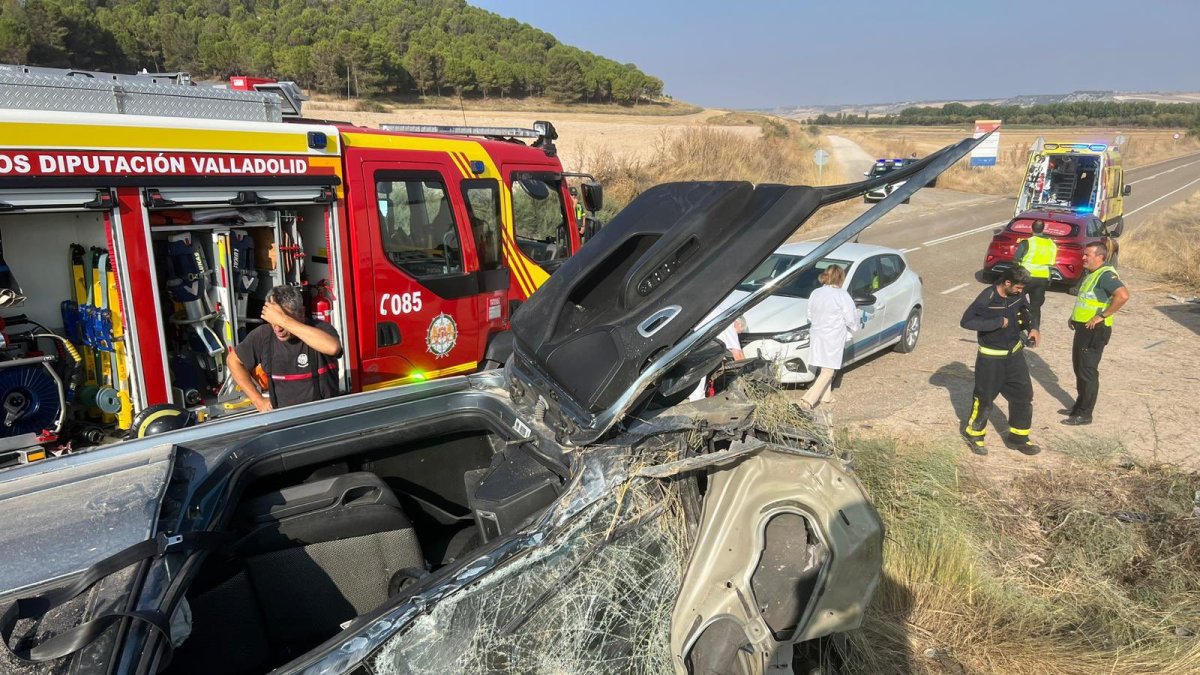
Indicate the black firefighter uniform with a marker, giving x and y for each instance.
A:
(1000, 366)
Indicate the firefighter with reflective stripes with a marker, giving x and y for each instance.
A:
(1099, 297)
(299, 356)
(999, 315)
(1037, 254)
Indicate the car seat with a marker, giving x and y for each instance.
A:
(310, 557)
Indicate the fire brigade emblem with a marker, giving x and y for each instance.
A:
(442, 335)
(302, 360)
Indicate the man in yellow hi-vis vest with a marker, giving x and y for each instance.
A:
(1099, 297)
(1037, 254)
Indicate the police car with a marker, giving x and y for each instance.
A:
(883, 167)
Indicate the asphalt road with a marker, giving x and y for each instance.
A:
(944, 235)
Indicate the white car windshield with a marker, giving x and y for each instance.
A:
(800, 287)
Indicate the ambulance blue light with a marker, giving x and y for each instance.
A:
(1098, 147)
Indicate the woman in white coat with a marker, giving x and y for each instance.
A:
(833, 318)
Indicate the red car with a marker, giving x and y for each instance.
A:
(1070, 231)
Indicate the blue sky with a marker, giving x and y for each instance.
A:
(759, 54)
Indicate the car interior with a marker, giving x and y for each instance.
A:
(319, 545)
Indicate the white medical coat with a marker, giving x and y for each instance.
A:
(834, 318)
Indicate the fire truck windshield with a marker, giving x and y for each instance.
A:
(540, 217)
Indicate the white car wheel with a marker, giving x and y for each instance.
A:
(912, 331)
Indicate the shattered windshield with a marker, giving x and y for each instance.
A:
(595, 599)
(540, 217)
(800, 287)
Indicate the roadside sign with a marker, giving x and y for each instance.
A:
(1175, 136)
(985, 153)
(821, 156)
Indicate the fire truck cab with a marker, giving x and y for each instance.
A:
(144, 220)
(1086, 178)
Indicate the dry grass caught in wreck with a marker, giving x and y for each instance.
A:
(1080, 569)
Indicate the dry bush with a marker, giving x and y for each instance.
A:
(1147, 148)
(704, 153)
(1082, 569)
(1168, 245)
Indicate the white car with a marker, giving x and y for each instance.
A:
(886, 290)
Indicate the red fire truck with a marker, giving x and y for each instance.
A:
(143, 220)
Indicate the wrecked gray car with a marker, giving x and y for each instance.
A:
(565, 514)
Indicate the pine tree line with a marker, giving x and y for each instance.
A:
(1081, 113)
(365, 47)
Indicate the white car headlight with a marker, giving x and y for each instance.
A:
(798, 335)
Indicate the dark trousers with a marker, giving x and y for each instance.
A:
(1086, 351)
(1006, 375)
(1036, 290)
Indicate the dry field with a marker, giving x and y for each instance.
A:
(627, 136)
(1142, 147)
(1169, 245)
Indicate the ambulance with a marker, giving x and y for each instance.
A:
(1084, 178)
(143, 219)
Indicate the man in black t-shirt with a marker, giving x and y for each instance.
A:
(298, 356)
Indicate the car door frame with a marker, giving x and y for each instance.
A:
(424, 332)
(865, 339)
(896, 310)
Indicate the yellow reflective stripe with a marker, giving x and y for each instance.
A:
(989, 351)
(141, 431)
(286, 138)
(421, 377)
(971, 419)
(1018, 432)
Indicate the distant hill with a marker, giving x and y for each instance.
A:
(365, 47)
(1026, 100)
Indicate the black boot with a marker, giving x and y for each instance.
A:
(974, 442)
(1021, 444)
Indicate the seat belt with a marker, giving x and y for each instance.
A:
(71, 641)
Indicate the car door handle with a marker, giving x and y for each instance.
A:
(658, 320)
(387, 334)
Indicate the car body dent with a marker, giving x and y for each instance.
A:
(99, 502)
(739, 503)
